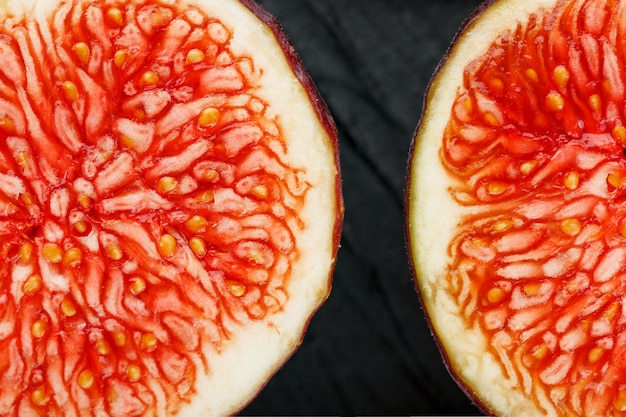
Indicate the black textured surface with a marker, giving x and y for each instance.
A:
(368, 351)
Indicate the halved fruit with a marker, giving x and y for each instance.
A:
(516, 207)
(170, 206)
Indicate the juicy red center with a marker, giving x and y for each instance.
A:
(537, 139)
(144, 206)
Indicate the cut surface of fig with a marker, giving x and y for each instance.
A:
(516, 215)
(169, 206)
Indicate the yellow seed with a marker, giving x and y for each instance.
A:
(237, 289)
(81, 49)
(554, 101)
(616, 179)
(205, 197)
(7, 124)
(256, 256)
(502, 225)
(260, 191)
(103, 347)
(120, 57)
(595, 102)
(127, 141)
(25, 252)
(158, 18)
(491, 119)
(139, 114)
(86, 379)
(114, 252)
(619, 134)
(571, 226)
(119, 338)
(32, 284)
(540, 351)
(496, 84)
(560, 75)
(137, 285)
(27, 199)
(532, 75)
(166, 184)
(72, 257)
(148, 342)
(208, 117)
(194, 56)
(84, 200)
(196, 224)
(71, 90)
(198, 246)
(622, 229)
(115, 16)
(571, 180)
(22, 159)
(38, 329)
(495, 295)
(611, 311)
(82, 227)
(149, 78)
(619, 402)
(496, 188)
(167, 245)
(211, 175)
(479, 242)
(52, 252)
(595, 354)
(68, 308)
(40, 396)
(133, 372)
(468, 105)
(531, 288)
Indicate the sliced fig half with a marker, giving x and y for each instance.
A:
(170, 206)
(516, 211)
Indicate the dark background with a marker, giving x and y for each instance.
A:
(368, 350)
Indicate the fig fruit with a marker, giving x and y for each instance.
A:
(170, 206)
(516, 207)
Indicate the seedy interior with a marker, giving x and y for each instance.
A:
(536, 139)
(145, 206)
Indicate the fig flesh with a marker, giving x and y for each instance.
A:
(515, 208)
(170, 206)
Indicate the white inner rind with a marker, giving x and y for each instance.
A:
(433, 218)
(254, 352)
